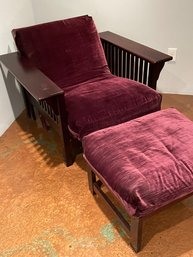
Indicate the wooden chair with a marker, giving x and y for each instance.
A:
(59, 62)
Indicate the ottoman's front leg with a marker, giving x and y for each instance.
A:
(133, 229)
(136, 233)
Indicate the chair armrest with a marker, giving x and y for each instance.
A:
(129, 59)
(139, 50)
(32, 79)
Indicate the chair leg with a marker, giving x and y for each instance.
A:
(136, 233)
(91, 180)
(69, 156)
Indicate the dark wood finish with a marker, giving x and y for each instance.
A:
(136, 233)
(154, 71)
(31, 78)
(126, 226)
(142, 51)
(133, 228)
(145, 72)
(143, 63)
(122, 56)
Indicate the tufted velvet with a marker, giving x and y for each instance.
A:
(70, 53)
(146, 162)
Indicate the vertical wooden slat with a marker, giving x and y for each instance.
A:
(128, 65)
(145, 65)
(124, 64)
(132, 67)
(111, 57)
(115, 61)
(147, 74)
(140, 70)
(108, 53)
(105, 47)
(120, 63)
(136, 68)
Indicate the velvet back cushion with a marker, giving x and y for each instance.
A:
(67, 51)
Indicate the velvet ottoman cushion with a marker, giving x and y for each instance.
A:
(107, 101)
(147, 162)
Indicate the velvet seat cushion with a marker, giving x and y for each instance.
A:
(147, 162)
(107, 101)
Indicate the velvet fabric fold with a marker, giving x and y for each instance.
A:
(147, 162)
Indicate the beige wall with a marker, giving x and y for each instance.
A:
(12, 14)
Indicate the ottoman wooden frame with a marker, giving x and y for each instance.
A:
(133, 229)
(140, 186)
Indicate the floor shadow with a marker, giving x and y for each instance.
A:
(46, 142)
(82, 164)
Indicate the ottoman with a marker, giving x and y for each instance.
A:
(146, 164)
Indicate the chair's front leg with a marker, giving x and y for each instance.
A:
(68, 153)
(69, 145)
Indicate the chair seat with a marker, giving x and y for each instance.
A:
(147, 162)
(107, 101)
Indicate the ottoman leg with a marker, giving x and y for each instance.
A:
(136, 233)
(91, 180)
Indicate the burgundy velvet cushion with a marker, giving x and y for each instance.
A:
(147, 162)
(108, 101)
(67, 51)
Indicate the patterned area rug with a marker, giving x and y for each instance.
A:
(46, 209)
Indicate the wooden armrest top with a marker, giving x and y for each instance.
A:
(142, 51)
(31, 78)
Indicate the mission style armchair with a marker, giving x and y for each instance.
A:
(79, 81)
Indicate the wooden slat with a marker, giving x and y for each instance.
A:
(136, 68)
(116, 61)
(132, 66)
(128, 68)
(111, 57)
(124, 64)
(139, 50)
(145, 65)
(120, 63)
(140, 70)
